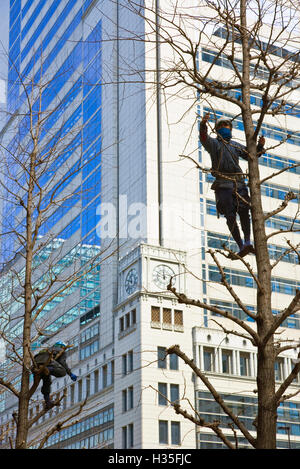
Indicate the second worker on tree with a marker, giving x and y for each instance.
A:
(54, 361)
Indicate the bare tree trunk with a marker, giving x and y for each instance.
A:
(267, 412)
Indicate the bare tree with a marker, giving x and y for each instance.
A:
(255, 43)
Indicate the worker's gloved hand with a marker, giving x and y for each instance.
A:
(203, 127)
(73, 377)
(204, 119)
(261, 140)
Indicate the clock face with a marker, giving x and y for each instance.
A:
(161, 276)
(131, 281)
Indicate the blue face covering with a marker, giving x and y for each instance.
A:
(225, 133)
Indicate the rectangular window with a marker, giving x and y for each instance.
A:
(163, 432)
(72, 394)
(178, 317)
(245, 364)
(104, 376)
(130, 398)
(130, 435)
(133, 316)
(279, 364)
(175, 433)
(124, 437)
(79, 390)
(127, 320)
(88, 385)
(130, 361)
(96, 381)
(155, 314)
(112, 372)
(208, 359)
(173, 361)
(162, 394)
(161, 356)
(124, 364)
(121, 323)
(124, 400)
(167, 316)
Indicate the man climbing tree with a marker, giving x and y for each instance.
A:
(52, 362)
(230, 188)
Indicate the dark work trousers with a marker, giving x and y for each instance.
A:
(229, 204)
(55, 369)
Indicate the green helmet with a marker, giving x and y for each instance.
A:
(60, 344)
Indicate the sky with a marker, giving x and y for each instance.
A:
(4, 25)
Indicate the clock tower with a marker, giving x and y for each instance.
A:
(149, 269)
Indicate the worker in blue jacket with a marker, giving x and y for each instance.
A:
(231, 192)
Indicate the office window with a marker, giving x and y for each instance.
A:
(130, 398)
(226, 361)
(80, 390)
(121, 323)
(161, 356)
(127, 320)
(127, 436)
(124, 437)
(130, 435)
(89, 333)
(127, 399)
(112, 372)
(88, 385)
(133, 316)
(173, 363)
(96, 381)
(174, 393)
(130, 361)
(162, 394)
(163, 432)
(72, 394)
(245, 364)
(104, 376)
(89, 350)
(124, 364)
(127, 362)
(124, 400)
(209, 359)
(279, 364)
(175, 433)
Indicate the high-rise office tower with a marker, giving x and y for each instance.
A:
(151, 215)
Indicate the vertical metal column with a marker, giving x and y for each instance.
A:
(158, 116)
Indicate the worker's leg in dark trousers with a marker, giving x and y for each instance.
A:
(46, 389)
(227, 206)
